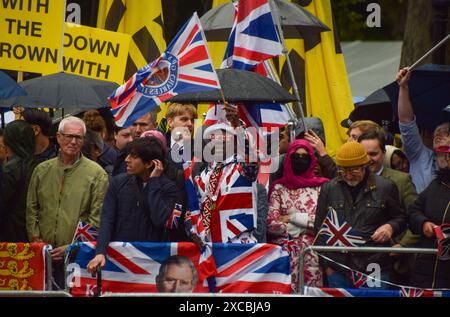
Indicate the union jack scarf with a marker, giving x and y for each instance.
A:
(209, 204)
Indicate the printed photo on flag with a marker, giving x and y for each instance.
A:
(145, 267)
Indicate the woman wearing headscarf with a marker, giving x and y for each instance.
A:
(396, 159)
(19, 141)
(292, 209)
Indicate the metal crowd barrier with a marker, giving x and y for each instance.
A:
(192, 295)
(34, 294)
(301, 280)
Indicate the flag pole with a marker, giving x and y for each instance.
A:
(276, 17)
(430, 52)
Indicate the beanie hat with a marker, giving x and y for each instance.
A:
(351, 154)
(158, 135)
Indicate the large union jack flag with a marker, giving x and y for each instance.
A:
(235, 201)
(133, 267)
(130, 267)
(337, 232)
(85, 233)
(443, 238)
(253, 40)
(185, 66)
(251, 268)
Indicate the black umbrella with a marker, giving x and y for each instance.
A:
(376, 107)
(63, 90)
(429, 90)
(295, 21)
(240, 86)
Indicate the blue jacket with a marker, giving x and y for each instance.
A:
(132, 213)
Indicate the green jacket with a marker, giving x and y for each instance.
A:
(59, 196)
(405, 186)
(408, 196)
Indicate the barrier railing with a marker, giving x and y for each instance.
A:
(301, 280)
(34, 294)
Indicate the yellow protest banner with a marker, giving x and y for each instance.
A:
(143, 20)
(31, 35)
(95, 53)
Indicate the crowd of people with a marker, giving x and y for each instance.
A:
(131, 184)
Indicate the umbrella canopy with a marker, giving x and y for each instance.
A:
(240, 86)
(62, 90)
(295, 21)
(9, 88)
(376, 107)
(429, 90)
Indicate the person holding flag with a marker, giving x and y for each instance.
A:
(357, 207)
(185, 66)
(429, 216)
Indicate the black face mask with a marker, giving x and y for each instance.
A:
(300, 163)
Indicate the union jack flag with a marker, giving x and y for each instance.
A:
(175, 218)
(193, 223)
(411, 292)
(235, 201)
(185, 66)
(253, 40)
(338, 232)
(367, 292)
(443, 238)
(130, 267)
(251, 268)
(85, 233)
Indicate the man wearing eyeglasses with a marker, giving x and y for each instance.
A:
(369, 204)
(62, 191)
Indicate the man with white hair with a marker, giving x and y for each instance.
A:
(64, 190)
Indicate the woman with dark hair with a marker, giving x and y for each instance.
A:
(292, 209)
(19, 141)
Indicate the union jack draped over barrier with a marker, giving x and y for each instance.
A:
(443, 237)
(133, 267)
(342, 292)
(338, 232)
(185, 66)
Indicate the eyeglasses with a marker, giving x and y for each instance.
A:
(70, 137)
(355, 171)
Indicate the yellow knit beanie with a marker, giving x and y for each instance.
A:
(351, 154)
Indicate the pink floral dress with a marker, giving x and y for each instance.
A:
(296, 235)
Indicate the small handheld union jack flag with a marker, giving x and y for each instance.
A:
(338, 233)
(359, 279)
(411, 292)
(85, 233)
(443, 239)
(175, 218)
